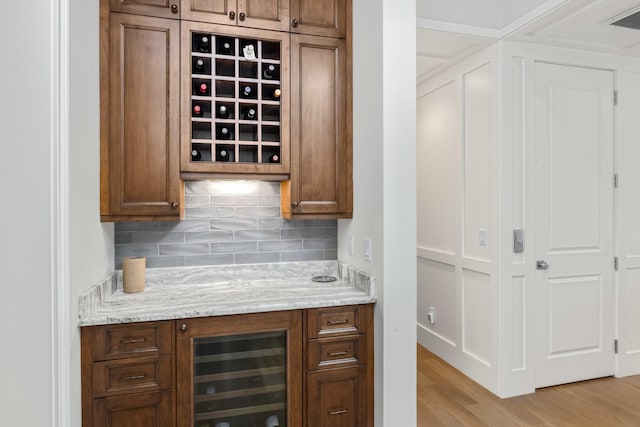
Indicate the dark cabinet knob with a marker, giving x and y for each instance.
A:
(242, 16)
(174, 8)
(174, 205)
(294, 23)
(232, 15)
(295, 204)
(183, 328)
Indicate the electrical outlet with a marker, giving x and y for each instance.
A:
(482, 237)
(350, 246)
(367, 250)
(431, 316)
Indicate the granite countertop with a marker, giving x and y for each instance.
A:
(184, 292)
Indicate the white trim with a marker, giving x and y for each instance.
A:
(59, 191)
(451, 27)
(528, 18)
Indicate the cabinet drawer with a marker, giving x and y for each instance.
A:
(338, 321)
(131, 340)
(155, 409)
(336, 352)
(131, 375)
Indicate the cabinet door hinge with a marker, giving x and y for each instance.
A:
(615, 263)
(615, 97)
(615, 180)
(615, 346)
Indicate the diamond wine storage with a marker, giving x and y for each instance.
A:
(248, 89)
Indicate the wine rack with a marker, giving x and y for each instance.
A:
(240, 380)
(236, 99)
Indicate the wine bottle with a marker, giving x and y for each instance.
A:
(197, 110)
(203, 88)
(199, 65)
(224, 133)
(246, 91)
(276, 93)
(226, 48)
(223, 112)
(274, 158)
(223, 155)
(203, 44)
(195, 155)
(250, 113)
(269, 72)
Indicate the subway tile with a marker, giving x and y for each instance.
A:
(234, 200)
(185, 225)
(152, 237)
(165, 261)
(233, 187)
(259, 257)
(185, 249)
(315, 255)
(233, 224)
(269, 200)
(208, 260)
(268, 187)
(320, 244)
(257, 212)
(330, 254)
(128, 250)
(243, 235)
(210, 212)
(279, 223)
(233, 247)
(279, 245)
(209, 236)
(330, 233)
(197, 187)
(195, 200)
(136, 226)
(320, 223)
(302, 233)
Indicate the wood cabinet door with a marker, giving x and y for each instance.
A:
(336, 398)
(159, 8)
(212, 11)
(265, 14)
(321, 156)
(320, 17)
(137, 410)
(144, 137)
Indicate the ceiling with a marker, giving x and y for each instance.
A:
(450, 30)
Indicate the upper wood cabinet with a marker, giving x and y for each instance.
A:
(321, 147)
(320, 17)
(159, 8)
(264, 14)
(140, 151)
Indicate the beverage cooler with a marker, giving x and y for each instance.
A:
(240, 371)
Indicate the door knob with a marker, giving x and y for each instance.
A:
(542, 265)
(294, 23)
(242, 16)
(232, 15)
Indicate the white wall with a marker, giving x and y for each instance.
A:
(91, 243)
(384, 193)
(458, 199)
(26, 353)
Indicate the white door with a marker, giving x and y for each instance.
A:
(574, 224)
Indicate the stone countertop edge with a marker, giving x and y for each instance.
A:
(185, 292)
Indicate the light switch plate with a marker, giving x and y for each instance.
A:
(350, 246)
(482, 237)
(367, 250)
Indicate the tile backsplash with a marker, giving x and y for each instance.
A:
(227, 222)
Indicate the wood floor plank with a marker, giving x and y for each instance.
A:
(448, 398)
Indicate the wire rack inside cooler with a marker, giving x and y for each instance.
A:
(240, 380)
(235, 99)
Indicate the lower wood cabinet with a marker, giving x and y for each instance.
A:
(295, 368)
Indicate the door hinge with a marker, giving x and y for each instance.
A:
(615, 346)
(615, 263)
(615, 180)
(615, 97)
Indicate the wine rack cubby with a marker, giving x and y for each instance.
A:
(240, 380)
(237, 101)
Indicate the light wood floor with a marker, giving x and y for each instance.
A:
(448, 398)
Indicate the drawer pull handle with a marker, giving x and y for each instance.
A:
(133, 341)
(337, 322)
(339, 412)
(132, 378)
(337, 353)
